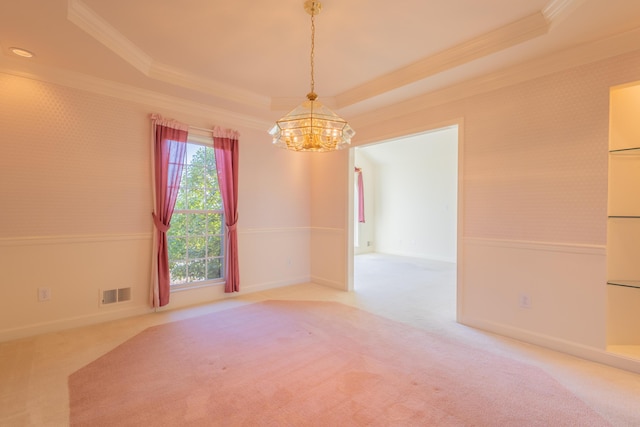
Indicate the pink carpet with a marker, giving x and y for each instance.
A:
(280, 363)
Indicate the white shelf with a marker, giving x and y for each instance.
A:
(623, 224)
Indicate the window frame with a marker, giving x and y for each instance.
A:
(207, 142)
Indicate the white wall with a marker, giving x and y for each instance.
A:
(75, 186)
(416, 195)
(331, 188)
(366, 230)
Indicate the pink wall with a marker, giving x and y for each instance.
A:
(75, 215)
(535, 164)
(533, 204)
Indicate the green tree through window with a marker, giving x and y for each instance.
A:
(196, 236)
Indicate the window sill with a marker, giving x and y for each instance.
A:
(197, 285)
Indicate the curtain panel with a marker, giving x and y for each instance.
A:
(169, 149)
(225, 144)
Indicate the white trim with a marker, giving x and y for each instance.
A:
(273, 230)
(98, 28)
(106, 314)
(576, 248)
(73, 322)
(215, 292)
(557, 10)
(71, 239)
(328, 230)
(181, 78)
(134, 94)
(586, 53)
(573, 57)
(246, 289)
(328, 282)
(259, 287)
(493, 41)
(575, 349)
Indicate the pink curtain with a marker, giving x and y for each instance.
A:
(169, 150)
(360, 196)
(225, 144)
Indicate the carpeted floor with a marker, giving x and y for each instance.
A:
(304, 363)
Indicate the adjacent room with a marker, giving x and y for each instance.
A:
(404, 228)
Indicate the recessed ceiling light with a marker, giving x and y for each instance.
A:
(21, 52)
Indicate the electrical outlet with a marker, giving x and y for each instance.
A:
(44, 294)
(525, 301)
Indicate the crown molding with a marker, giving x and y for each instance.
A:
(557, 10)
(190, 81)
(493, 41)
(133, 94)
(580, 55)
(93, 24)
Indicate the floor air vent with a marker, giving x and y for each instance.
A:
(113, 296)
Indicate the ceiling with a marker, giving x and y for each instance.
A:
(251, 58)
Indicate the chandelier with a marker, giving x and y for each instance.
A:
(312, 126)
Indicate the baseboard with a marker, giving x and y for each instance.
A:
(575, 349)
(71, 323)
(258, 287)
(329, 283)
(111, 315)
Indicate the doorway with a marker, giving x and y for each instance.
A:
(407, 244)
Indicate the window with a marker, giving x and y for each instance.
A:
(196, 236)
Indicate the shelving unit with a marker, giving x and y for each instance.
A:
(623, 227)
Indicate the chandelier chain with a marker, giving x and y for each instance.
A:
(312, 126)
(313, 46)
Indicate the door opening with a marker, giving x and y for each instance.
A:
(409, 238)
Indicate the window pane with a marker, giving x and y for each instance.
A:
(197, 270)
(195, 199)
(213, 200)
(211, 159)
(197, 176)
(178, 225)
(214, 246)
(214, 223)
(197, 224)
(177, 248)
(192, 149)
(214, 268)
(178, 272)
(195, 192)
(181, 201)
(199, 155)
(196, 247)
(185, 183)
